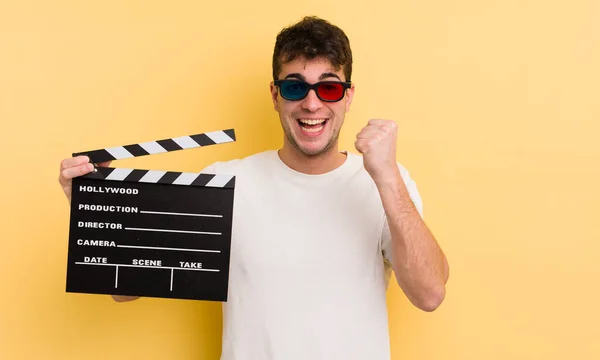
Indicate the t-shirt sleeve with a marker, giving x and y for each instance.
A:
(386, 238)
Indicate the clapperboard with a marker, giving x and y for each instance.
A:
(151, 233)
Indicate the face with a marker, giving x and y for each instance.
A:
(311, 126)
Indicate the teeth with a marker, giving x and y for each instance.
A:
(315, 129)
(312, 121)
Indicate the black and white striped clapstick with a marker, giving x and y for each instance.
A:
(159, 146)
(156, 147)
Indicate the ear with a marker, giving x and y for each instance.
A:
(274, 95)
(349, 97)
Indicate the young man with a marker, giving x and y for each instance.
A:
(317, 230)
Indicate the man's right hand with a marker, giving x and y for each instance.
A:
(79, 166)
(74, 167)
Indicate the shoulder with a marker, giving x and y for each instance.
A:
(357, 164)
(407, 178)
(234, 166)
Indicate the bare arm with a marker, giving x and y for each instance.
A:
(74, 167)
(419, 263)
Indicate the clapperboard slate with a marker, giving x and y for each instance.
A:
(151, 233)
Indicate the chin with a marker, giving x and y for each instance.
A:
(313, 149)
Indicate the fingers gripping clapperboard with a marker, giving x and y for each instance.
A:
(151, 233)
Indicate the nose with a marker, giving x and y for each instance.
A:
(311, 102)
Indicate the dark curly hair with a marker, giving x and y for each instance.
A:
(312, 38)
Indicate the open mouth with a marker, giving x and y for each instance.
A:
(312, 126)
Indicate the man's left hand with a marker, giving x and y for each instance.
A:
(377, 143)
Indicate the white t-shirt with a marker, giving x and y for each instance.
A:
(309, 267)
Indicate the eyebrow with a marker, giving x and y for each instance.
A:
(301, 77)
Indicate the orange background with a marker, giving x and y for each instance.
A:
(498, 107)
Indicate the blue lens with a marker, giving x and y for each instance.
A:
(293, 90)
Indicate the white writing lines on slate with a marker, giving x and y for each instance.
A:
(174, 231)
(178, 214)
(171, 286)
(135, 210)
(166, 248)
(147, 266)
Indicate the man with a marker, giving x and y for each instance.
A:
(317, 230)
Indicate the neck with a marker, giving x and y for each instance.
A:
(311, 164)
